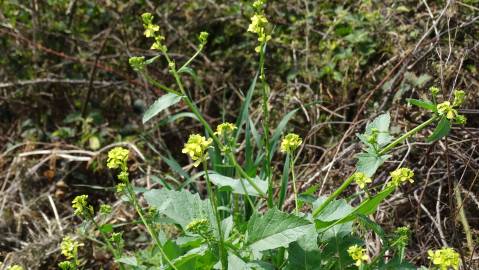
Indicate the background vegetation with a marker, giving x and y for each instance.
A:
(68, 95)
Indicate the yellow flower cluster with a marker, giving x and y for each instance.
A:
(225, 129)
(446, 109)
(358, 254)
(290, 143)
(361, 179)
(444, 258)
(203, 38)
(14, 267)
(196, 148)
(117, 158)
(449, 110)
(69, 247)
(258, 24)
(137, 62)
(81, 206)
(151, 30)
(400, 176)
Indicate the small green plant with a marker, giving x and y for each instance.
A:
(240, 223)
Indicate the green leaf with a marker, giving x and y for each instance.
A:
(236, 186)
(275, 229)
(180, 206)
(305, 253)
(160, 104)
(243, 115)
(94, 143)
(336, 210)
(442, 129)
(422, 104)
(130, 260)
(368, 163)
(381, 123)
(106, 228)
(236, 263)
(371, 225)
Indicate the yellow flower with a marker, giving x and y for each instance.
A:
(290, 143)
(150, 28)
(14, 267)
(225, 129)
(81, 206)
(158, 44)
(358, 254)
(196, 148)
(117, 158)
(69, 247)
(258, 22)
(123, 176)
(444, 258)
(400, 176)
(203, 38)
(446, 109)
(361, 179)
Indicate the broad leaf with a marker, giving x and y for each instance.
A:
(368, 163)
(236, 186)
(381, 123)
(181, 206)
(305, 253)
(160, 104)
(236, 263)
(442, 129)
(275, 229)
(336, 210)
(130, 260)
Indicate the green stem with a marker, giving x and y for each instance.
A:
(291, 160)
(407, 135)
(148, 228)
(267, 146)
(105, 238)
(214, 205)
(383, 151)
(208, 128)
(335, 194)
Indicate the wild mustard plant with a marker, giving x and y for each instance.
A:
(444, 259)
(196, 148)
(401, 240)
(69, 249)
(117, 159)
(263, 237)
(289, 144)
